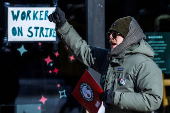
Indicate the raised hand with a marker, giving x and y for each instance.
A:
(58, 17)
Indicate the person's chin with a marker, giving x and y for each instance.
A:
(112, 47)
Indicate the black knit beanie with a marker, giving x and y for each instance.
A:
(121, 25)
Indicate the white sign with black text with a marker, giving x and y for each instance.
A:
(30, 24)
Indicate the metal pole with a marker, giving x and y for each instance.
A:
(96, 28)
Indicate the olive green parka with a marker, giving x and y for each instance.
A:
(143, 88)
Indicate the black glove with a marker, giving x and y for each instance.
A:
(58, 17)
(107, 97)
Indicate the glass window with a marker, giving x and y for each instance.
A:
(39, 77)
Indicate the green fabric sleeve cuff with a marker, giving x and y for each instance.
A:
(64, 29)
(117, 98)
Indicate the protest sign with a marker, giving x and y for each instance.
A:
(30, 24)
(87, 92)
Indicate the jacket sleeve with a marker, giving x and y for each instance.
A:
(149, 86)
(90, 56)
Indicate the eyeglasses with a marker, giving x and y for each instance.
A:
(114, 34)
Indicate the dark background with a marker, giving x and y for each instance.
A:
(28, 76)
